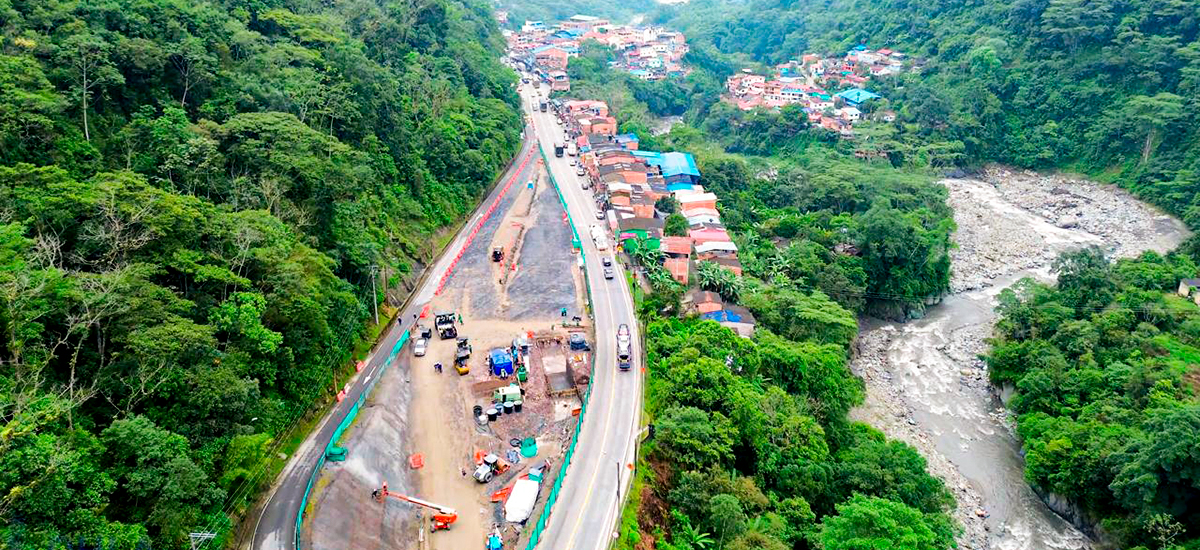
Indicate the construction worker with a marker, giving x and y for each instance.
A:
(437, 367)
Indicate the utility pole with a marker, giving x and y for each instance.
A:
(201, 538)
(374, 296)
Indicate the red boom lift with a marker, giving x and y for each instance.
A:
(443, 516)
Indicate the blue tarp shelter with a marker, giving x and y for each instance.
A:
(723, 316)
(501, 362)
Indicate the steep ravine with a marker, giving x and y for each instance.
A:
(925, 384)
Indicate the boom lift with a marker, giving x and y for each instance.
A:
(443, 516)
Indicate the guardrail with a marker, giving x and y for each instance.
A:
(337, 434)
(539, 526)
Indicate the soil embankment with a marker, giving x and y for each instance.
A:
(925, 383)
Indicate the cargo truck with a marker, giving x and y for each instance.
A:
(624, 347)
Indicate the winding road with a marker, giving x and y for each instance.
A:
(589, 505)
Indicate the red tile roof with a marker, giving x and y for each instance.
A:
(676, 245)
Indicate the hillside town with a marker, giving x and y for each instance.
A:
(632, 189)
(649, 53)
(808, 82)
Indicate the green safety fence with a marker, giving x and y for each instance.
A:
(331, 448)
(539, 526)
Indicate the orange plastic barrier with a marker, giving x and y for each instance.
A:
(501, 494)
(416, 461)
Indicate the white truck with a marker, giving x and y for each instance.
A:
(599, 237)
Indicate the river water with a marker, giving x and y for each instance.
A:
(925, 383)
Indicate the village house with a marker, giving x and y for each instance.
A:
(1190, 288)
(702, 301)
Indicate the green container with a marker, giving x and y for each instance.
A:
(522, 374)
(529, 447)
(335, 454)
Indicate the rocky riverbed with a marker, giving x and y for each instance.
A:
(925, 382)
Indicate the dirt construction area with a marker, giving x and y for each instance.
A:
(516, 295)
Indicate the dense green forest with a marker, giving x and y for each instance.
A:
(807, 214)
(196, 198)
(1110, 88)
(1106, 366)
(752, 448)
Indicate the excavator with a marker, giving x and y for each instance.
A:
(443, 516)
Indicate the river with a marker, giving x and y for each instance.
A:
(925, 383)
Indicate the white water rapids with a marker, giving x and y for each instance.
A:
(925, 384)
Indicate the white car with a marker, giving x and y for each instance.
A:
(420, 346)
(599, 214)
(623, 334)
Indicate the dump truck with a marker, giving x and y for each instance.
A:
(444, 323)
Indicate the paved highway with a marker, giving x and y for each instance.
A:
(589, 505)
(275, 528)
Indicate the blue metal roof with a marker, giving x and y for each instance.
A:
(673, 163)
(857, 95)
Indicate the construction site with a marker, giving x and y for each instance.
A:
(467, 427)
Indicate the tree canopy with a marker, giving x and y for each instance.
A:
(195, 198)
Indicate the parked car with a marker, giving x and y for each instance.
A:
(579, 171)
(420, 345)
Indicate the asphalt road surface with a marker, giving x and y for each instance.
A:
(589, 505)
(275, 528)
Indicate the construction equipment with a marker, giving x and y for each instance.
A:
(511, 392)
(492, 466)
(463, 350)
(443, 516)
(444, 322)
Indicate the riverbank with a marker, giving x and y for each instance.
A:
(925, 383)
